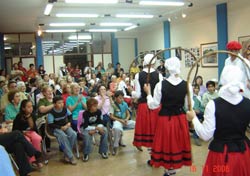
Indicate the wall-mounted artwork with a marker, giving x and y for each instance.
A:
(189, 59)
(212, 60)
(245, 42)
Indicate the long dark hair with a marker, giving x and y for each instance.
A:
(23, 105)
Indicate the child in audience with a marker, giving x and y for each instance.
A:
(93, 124)
(24, 122)
(198, 109)
(59, 120)
(119, 112)
(210, 94)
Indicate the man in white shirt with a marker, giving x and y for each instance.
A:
(235, 47)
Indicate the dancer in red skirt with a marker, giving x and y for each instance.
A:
(226, 119)
(145, 118)
(171, 144)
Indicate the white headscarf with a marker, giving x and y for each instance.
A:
(173, 65)
(231, 81)
(147, 59)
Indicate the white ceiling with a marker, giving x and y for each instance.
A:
(26, 15)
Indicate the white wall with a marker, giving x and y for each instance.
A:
(238, 19)
(48, 64)
(151, 38)
(126, 52)
(191, 32)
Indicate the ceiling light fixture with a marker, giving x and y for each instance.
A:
(67, 24)
(133, 16)
(92, 1)
(40, 31)
(60, 30)
(102, 30)
(183, 15)
(4, 38)
(77, 15)
(48, 9)
(130, 27)
(162, 3)
(80, 37)
(116, 24)
(169, 19)
(7, 47)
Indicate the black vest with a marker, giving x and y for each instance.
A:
(173, 98)
(231, 123)
(154, 79)
(60, 118)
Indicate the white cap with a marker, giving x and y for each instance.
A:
(232, 79)
(173, 65)
(148, 58)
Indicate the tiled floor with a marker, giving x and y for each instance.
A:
(128, 162)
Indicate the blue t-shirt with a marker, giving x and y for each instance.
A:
(121, 110)
(71, 100)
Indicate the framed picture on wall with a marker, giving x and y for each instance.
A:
(245, 42)
(212, 60)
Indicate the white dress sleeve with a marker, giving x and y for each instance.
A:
(154, 102)
(206, 129)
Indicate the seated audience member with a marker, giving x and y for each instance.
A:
(59, 120)
(44, 106)
(93, 124)
(120, 114)
(15, 142)
(75, 103)
(24, 122)
(199, 110)
(211, 94)
(104, 103)
(41, 71)
(32, 73)
(199, 81)
(13, 107)
(113, 85)
(4, 99)
(21, 87)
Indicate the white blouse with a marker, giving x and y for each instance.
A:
(206, 129)
(154, 102)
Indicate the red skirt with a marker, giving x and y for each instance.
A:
(145, 125)
(238, 164)
(171, 146)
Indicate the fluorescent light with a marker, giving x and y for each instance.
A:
(61, 30)
(67, 24)
(80, 37)
(92, 1)
(133, 16)
(161, 3)
(169, 19)
(116, 24)
(50, 42)
(79, 41)
(48, 8)
(80, 15)
(4, 38)
(7, 47)
(102, 30)
(130, 27)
